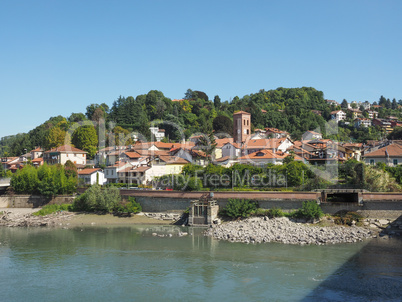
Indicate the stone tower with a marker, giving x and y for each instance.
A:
(241, 126)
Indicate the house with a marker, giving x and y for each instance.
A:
(92, 176)
(220, 142)
(194, 156)
(372, 114)
(263, 157)
(225, 161)
(231, 150)
(325, 151)
(134, 175)
(355, 113)
(362, 122)
(36, 153)
(311, 135)
(274, 144)
(159, 134)
(112, 172)
(391, 155)
(62, 154)
(258, 134)
(353, 150)
(338, 115)
(37, 162)
(382, 123)
(332, 102)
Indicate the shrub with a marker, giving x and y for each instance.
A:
(239, 208)
(96, 199)
(129, 207)
(53, 208)
(309, 210)
(276, 212)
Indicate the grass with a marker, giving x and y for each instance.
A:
(53, 208)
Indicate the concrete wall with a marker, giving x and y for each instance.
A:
(32, 201)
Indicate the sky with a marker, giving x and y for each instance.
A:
(58, 57)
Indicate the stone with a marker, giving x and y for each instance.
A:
(383, 221)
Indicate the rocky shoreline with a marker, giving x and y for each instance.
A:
(13, 219)
(283, 230)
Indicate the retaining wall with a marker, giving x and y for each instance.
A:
(32, 201)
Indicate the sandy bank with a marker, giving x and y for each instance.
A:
(22, 217)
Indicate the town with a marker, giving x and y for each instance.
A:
(140, 163)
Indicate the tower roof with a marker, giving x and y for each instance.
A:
(241, 112)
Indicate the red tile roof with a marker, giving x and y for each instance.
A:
(264, 154)
(132, 154)
(174, 160)
(66, 149)
(88, 171)
(266, 143)
(393, 150)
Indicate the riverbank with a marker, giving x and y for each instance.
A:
(283, 230)
(22, 217)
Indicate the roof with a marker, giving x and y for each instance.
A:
(141, 169)
(132, 154)
(220, 142)
(37, 160)
(336, 111)
(222, 159)
(393, 150)
(173, 160)
(38, 149)
(66, 149)
(241, 112)
(177, 100)
(88, 171)
(275, 130)
(264, 154)
(266, 143)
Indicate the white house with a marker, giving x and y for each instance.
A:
(338, 115)
(92, 176)
(231, 150)
(62, 154)
(159, 134)
(362, 122)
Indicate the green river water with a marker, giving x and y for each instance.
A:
(127, 263)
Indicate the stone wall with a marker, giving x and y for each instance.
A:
(32, 201)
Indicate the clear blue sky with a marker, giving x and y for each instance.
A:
(57, 57)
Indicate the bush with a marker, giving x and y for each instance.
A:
(239, 208)
(310, 210)
(53, 208)
(276, 212)
(96, 199)
(129, 207)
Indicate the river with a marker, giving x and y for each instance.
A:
(129, 263)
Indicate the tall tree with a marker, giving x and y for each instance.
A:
(85, 138)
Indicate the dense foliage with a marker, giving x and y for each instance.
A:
(44, 180)
(290, 109)
(239, 208)
(98, 199)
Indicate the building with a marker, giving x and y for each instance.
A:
(372, 114)
(92, 176)
(263, 157)
(391, 155)
(159, 134)
(355, 113)
(362, 122)
(274, 144)
(338, 115)
(62, 154)
(241, 126)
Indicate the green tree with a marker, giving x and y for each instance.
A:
(217, 101)
(223, 124)
(85, 138)
(55, 138)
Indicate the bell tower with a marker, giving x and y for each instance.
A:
(241, 126)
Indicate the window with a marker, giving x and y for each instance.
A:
(395, 162)
(371, 161)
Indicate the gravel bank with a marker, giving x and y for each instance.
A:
(258, 230)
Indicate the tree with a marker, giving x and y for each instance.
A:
(76, 117)
(70, 169)
(217, 101)
(122, 137)
(353, 105)
(85, 138)
(55, 138)
(344, 104)
(223, 124)
(396, 134)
